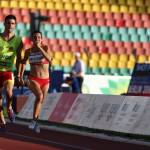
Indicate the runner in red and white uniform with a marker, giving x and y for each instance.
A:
(38, 80)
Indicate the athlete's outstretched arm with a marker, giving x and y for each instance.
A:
(23, 66)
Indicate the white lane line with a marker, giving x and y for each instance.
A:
(49, 141)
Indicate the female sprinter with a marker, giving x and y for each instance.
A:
(38, 80)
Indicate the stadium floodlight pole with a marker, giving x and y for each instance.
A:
(87, 60)
(35, 21)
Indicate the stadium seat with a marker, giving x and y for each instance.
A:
(112, 64)
(72, 21)
(121, 50)
(68, 35)
(48, 27)
(124, 9)
(92, 49)
(65, 48)
(26, 19)
(67, 55)
(136, 17)
(134, 38)
(113, 57)
(123, 57)
(52, 13)
(142, 59)
(59, 6)
(94, 29)
(50, 34)
(144, 38)
(125, 37)
(115, 8)
(55, 48)
(70, 13)
(100, 22)
(67, 69)
(41, 5)
(110, 22)
(146, 45)
(114, 70)
(145, 17)
(27, 46)
(57, 67)
(138, 24)
(104, 29)
(96, 8)
(132, 58)
(90, 43)
(81, 42)
(26, 40)
(87, 7)
(81, 21)
(109, 43)
(68, 6)
(112, 50)
(78, 36)
(43, 12)
(118, 44)
(6, 11)
(102, 49)
(120, 23)
(115, 37)
(108, 16)
(140, 3)
(72, 42)
(133, 9)
(60, 35)
(62, 42)
(106, 37)
(132, 31)
(74, 48)
(124, 71)
(99, 15)
(95, 70)
(137, 45)
(84, 29)
(105, 71)
(104, 56)
(58, 55)
(14, 4)
(129, 51)
(113, 30)
(5, 4)
(122, 31)
(96, 36)
(95, 56)
(99, 43)
(50, 5)
(54, 20)
(103, 64)
(130, 64)
(93, 63)
(142, 10)
(89, 15)
(63, 20)
(57, 27)
(129, 24)
(105, 8)
(24, 33)
(32, 5)
(117, 16)
(127, 16)
(146, 24)
(78, 7)
(91, 22)
(140, 51)
(87, 36)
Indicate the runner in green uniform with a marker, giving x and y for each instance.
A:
(10, 45)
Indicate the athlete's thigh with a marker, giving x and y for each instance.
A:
(45, 90)
(1, 100)
(34, 87)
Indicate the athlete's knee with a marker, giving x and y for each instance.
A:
(8, 93)
(40, 97)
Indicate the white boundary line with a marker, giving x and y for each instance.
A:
(48, 141)
(95, 135)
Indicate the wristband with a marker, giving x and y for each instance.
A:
(17, 77)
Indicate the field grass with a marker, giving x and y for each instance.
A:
(86, 129)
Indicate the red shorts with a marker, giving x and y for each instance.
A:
(41, 82)
(6, 76)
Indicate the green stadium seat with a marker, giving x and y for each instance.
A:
(21, 26)
(114, 70)
(84, 29)
(78, 35)
(58, 68)
(67, 69)
(96, 36)
(106, 37)
(144, 38)
(105, 71)
(123, 71)
(148, 31)
(96, 70)
(27, 26)
(15, 31)
(87, 36)
(24, 33)
(48, 27)
(68, 35)
(75, 28)
(57, 27)
(134, 38)
(131, 31)
(66, 28)
(27, 68)
(115, 37)
(125, 37)
(42, 28)
(113, 30)
(87, 70)
(104, 29)
(131, 71)
(1, 25)
(59, 35)
(141, 31)
(50, 34)
(43, 34)
(94, 29)
(122, 30)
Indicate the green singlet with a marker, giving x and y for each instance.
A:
(8, 51)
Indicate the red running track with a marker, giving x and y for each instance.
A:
(19, 137)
